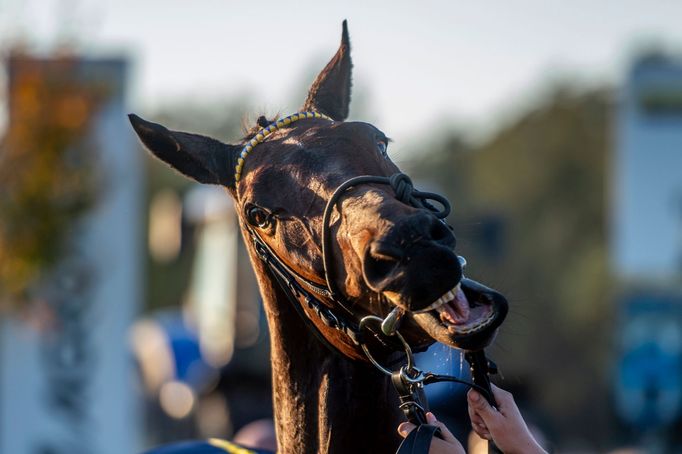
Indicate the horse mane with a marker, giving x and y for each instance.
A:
(262, 122)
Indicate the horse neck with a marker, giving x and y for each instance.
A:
(323, 402)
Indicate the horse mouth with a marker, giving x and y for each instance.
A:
(461, 316)
(465, 317)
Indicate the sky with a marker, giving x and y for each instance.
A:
(473, 64)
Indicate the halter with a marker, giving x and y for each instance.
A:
(408, 380)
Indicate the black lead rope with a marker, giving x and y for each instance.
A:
(413, 403)
(409, 383)
(419, 440)
(481, 368)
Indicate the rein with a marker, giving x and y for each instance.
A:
(408, 380)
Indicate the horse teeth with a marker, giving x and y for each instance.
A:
(448, 296)
(436, 304)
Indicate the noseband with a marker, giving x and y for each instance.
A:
(404, 191)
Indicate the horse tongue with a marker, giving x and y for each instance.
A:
(456, 310)
(461, 306)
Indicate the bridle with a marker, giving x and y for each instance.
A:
(310, 292)
(298, 287)
(322, 300)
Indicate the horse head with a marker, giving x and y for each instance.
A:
(370, 246)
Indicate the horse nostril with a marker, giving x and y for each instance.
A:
(384, 250)
(380, 261)
(440, 232)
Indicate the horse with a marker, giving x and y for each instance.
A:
(340, 240)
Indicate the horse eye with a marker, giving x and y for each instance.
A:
(258, 217)
(381, 146)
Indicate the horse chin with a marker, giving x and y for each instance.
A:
(466, 318)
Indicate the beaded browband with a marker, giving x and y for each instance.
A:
(265, 132)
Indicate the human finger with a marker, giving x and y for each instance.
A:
(504, 398)
(405, 428)
(480, 428)
(480, 405)
(485, 435)
(477, 423)
(473, 416)
(445, 432)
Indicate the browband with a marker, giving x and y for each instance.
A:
(265, 132)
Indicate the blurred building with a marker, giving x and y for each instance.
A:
(647, 180)
(646, 248)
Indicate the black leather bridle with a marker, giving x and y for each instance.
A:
(312, 294)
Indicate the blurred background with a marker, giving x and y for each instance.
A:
(128, 313)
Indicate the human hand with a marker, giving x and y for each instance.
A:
(448, 445)
(505, 425)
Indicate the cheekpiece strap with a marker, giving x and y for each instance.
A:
(265, 132)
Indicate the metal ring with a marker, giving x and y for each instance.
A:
(405, 375)
(406, 346)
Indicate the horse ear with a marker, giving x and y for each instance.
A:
(201, 158)
(330, 93)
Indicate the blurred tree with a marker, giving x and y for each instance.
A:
(530, 213)
(48, 176)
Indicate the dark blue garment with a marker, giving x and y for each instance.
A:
(212, 446)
